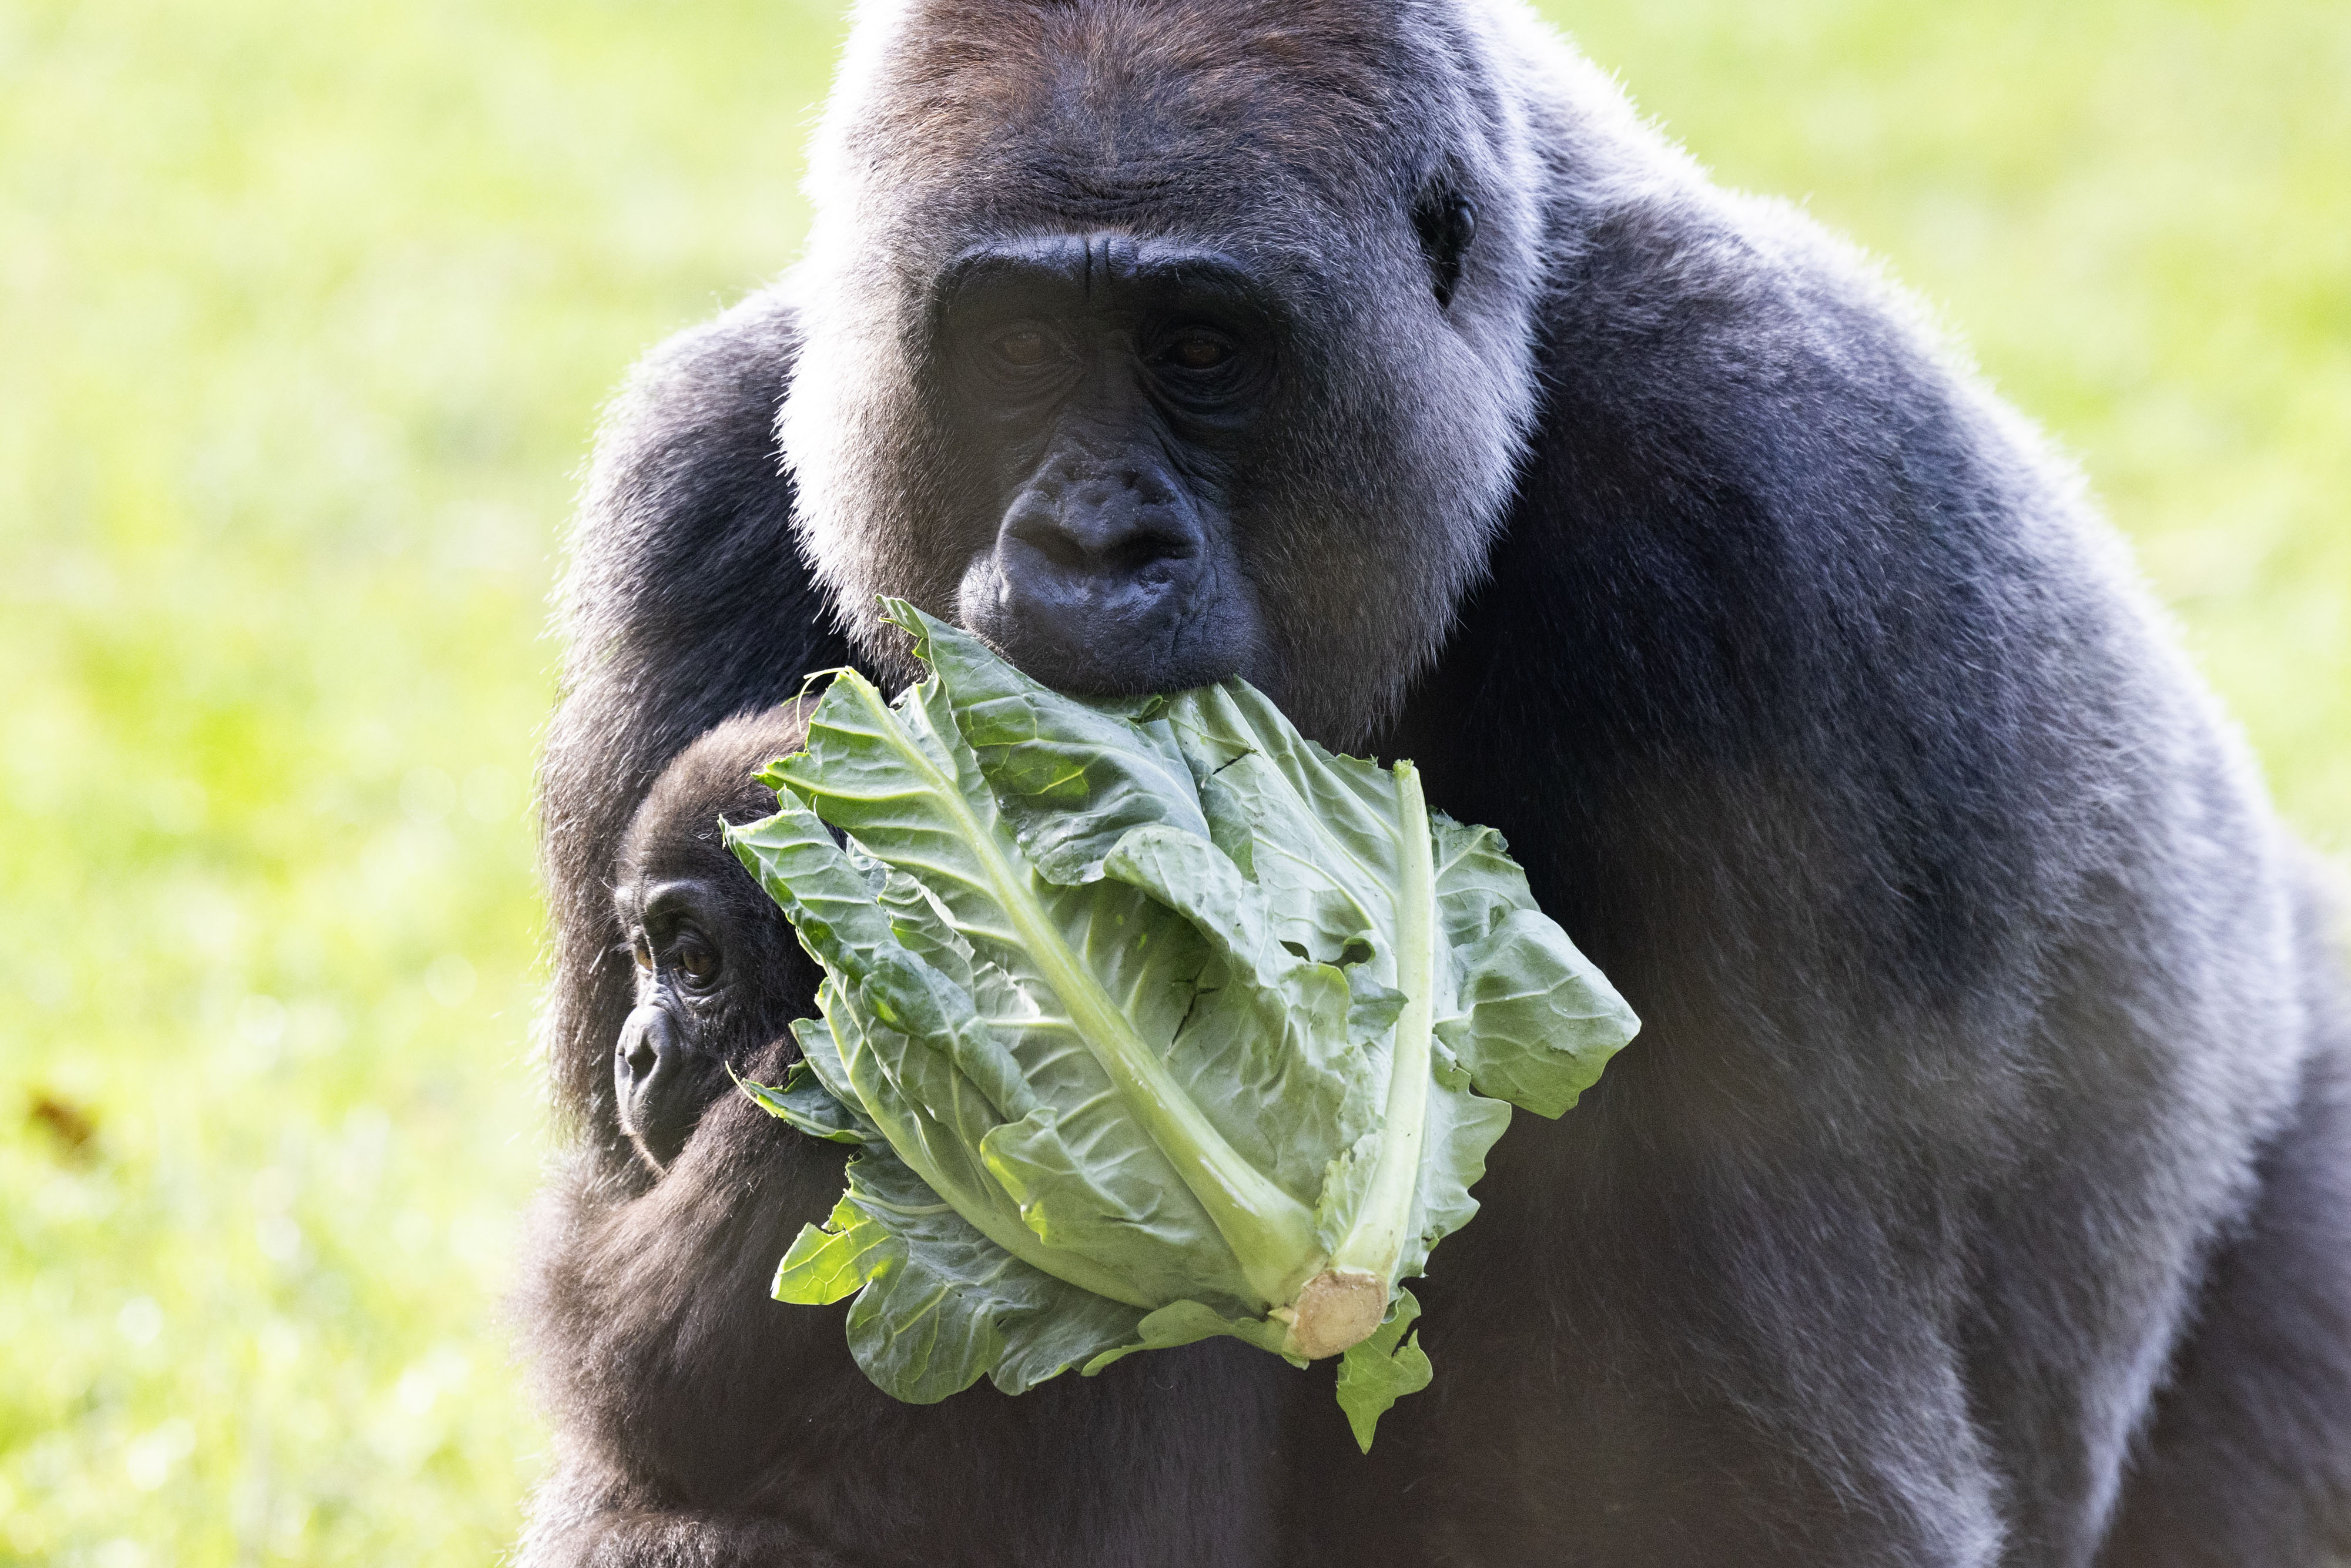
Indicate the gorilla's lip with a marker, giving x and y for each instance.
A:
(1114, 651)
(1133, 646)
(1086, 673)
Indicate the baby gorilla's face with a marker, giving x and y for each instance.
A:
(695, 969)
(719, 976)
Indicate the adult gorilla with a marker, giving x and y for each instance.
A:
(1979, 1189)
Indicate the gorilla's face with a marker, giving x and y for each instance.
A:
(719, 978)
(1152, 355)
(693, 988)
(1106, 392)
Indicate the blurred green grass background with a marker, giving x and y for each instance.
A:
(305, 318)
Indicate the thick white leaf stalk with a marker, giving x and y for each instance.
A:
(1343, 1304)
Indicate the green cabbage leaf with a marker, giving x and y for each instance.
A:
(1152, 1020)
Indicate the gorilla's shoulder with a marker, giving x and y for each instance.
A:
(707, 396)
(1742, 294)
(1704, 347)
(688, 483)
(744, 354)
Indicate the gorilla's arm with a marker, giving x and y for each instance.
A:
(701, 1424)
(688, 601)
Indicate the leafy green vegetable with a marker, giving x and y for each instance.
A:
(1383, 1369)
(1153, 1020)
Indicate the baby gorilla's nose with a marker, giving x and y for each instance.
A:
(639, 1058)
(643, 1062)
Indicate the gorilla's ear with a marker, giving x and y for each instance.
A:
(1446, 221)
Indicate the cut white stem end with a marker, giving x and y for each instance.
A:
(1338, 1308)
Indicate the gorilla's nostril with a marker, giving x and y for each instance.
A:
(1111, 541)
(1056, 544)
(1129, 556)
(1094, 525)
(640, 1058)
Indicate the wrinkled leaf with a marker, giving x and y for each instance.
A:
(1118, 1001)
(1381, 1370)
(835, 1260)
(807, 1103)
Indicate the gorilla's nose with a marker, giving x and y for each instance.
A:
(1089, 533)
(1096, 566)
(642, 1063)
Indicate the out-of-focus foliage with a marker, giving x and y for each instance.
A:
(305, 314)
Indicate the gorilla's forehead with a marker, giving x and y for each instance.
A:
(1082, 114)
(676, 841)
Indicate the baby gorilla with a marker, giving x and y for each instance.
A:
(719, 975)
(679, 1387)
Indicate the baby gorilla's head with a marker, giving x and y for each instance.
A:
(719, 975)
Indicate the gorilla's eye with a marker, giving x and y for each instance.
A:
(1024, 348)
(697, 962)
(1200, 351)
(642, 951)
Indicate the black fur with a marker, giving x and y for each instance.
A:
(1979, 1189)
(1446, 222)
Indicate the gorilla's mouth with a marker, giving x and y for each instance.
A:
(1167, 627)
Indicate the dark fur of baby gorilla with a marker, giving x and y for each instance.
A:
(717, 978)
(1978, 1191)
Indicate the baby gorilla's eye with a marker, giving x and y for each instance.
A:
(1200, 351)
(1024, 348)
(642, 951)
(695, 961)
